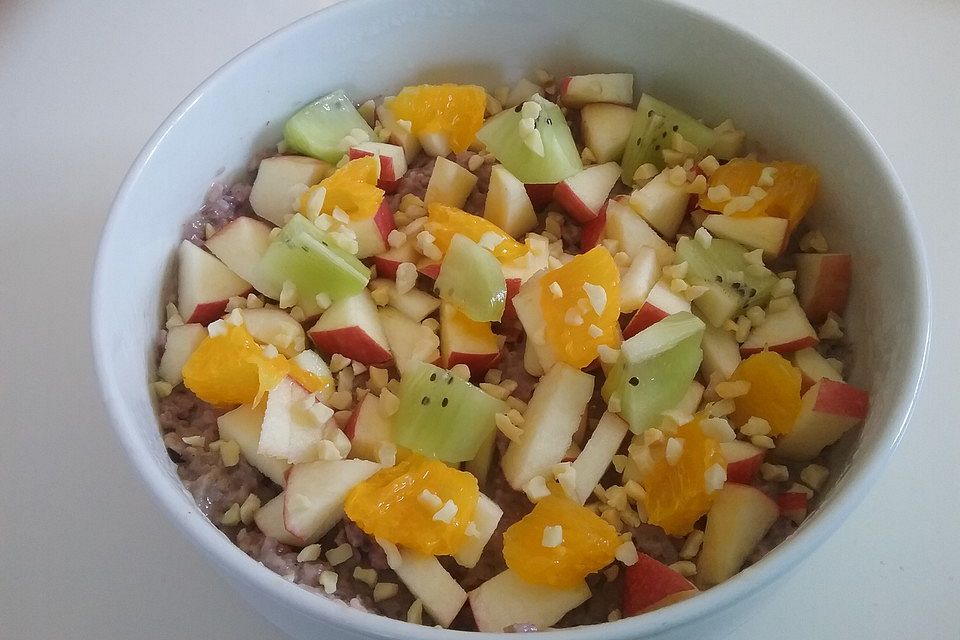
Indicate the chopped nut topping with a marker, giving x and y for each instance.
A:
(339, 555)
(389, 403)
(552, 536)
(764, 442)
(733, 388)
(366, 576)
(309, 553)
(385, 590)
(774, 472)
(714, 477)
(814, 476)
(249, 508)
(815, 242)
(673, 451)
(415, 612)
(685, 568)
(328, 580)
(229, 453)
(627, 554)
(536, 489)
(232, 516)
(446, 512)
(691, 545)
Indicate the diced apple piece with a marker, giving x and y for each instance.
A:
(793, 505)
(464, 341)
(410, 341)
(521, 92)
(605, 129)
(583, 194)
(240, 244)
(290, 431)
(393, 162)
(639, 280)
(616, 88)
(526, 303)
(311, 362)
(540, 194)
(827, 411)
(738, 519)
(275, 188)
(552, 417)
(823, 281)
(597, 454)
(181, 342)
(416, 303)
(372, 232)
(441, 595)
(721, 353)
(592, 232)
(506, 599)
(399, 134)
(428, 267)
(269, 519)
(518, 271)
(449, 184)
(276, 327)
(508, 206)
(662, 204)
(388, 261)
(486, 517)
(649, 585)
(368, 429)
(660, 303)
(204, 285)
(242, 425)
(814, 367)
(743, 460)
(783, 331)
(766, 233)
(352, 328)
(632, 232)
(313, 500)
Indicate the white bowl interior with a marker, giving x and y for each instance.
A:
(372, 47)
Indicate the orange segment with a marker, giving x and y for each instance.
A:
(677, 494)
(774, 393)
(309, 381)
(790, 196)
(444, 222)
(450, 109)
(581, 306)
(232, 369)
(391, 505)
(588, 543)
(351, 188)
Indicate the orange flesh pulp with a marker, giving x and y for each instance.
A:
(588, 543)
(444, 222)
(450, 109)
(677, 494)
(790, 196)
(351, 188)
(232, 369)
(570, 316)
(388, 505)
(774, 393)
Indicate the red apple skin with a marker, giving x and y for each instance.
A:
(564, 85)
(351, 342)
(207, 312)
(825, 289)
(572, 204)
(540, 194)
(592, 232)
(842, 399)
(428, 268)
(513, 287)
(745, 470)
(384, 220)
(793, 505)
(643, 318)
(785, 347)
(388, 261)
(386, 268)
(350, 429)
(650, 584)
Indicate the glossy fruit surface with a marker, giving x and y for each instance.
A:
(774, 393)
(450, 109)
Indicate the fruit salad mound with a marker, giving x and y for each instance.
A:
(508, 359)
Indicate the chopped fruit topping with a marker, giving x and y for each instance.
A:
(309, 380)
(677, 491)
(787, 192)
(351, 189)
(774, 393)
(444, 222)
(389, 505)
(455, 111)
(588, 543)
(231, 368)
(571, 326)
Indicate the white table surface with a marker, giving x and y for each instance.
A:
(83, 554)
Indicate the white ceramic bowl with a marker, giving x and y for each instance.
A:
(373, 46)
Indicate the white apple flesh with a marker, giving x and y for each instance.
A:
(410, 341)
(399, 134)
(352, 328)
(508, 206)
(605, 129)
(441, 595)
(662, 204)
(813, 367)
(660, 303)
(269, 519)
(639, 279)
(242, 425)
(596, 456)
(240, 244)
(393, 162)
(743, 460)
(275, 189)
(583, 194)
(276, 327)
(506, 599)
(450, 184)
(783, 331)
(486, 517)
(649, 585)
(615, 88)
(180, 344)
(204, 285)
(765, 232)
(372, 232)
(549, 422)
(823, 282)
(464, 341)
(632, 232)
(738, 519)
(827, 411)
(368, 429)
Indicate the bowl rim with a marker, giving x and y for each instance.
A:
(234, 563)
